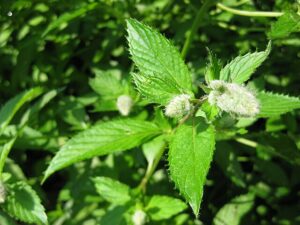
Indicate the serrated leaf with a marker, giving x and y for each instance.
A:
(156, 89)
(272, 104)
(105, 84)
(241, 68)
(285, 25)
(112, 190)
(233, 212)
(10, 108)
(190, 155)
(163, 207)
(23, 203)
(159, 63)
(104, 138)
(213, 68)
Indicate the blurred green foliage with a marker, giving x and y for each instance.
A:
(67, 48)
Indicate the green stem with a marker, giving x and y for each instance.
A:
(187, 44)
(247, 142)
(249, 13)
(151, 169)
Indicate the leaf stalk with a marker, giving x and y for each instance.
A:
(249, 13)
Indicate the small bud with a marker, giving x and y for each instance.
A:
(233, 98)
(124, 104)
(139, 217)
(179, 106)
(2, 192)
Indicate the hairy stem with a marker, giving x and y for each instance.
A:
(199, 18)
(249, 13)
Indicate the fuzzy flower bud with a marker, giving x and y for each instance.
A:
(124, 104)
(139, 217)
(233, 98)
(179, 106)
(2, 192)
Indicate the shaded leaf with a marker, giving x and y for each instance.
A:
(233, 212)
(105, 84)
(112, 190)
(285, 25)
(69, 16)
(10, 108)
(24, 204)
(163, 207)
(227, 160)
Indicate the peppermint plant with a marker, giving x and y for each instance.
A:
(190, 117)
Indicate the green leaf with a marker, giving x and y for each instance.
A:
(4, 151)
(24, 204)
(42, 101)
(112, 190)
(104, 138)
(241, 68)
(272, 172)
(10, 108)
(233, 212)
(280, 145)
(285, 25)
(213, 68)
(69, 16)
(152, 148)
(227, 160)
(163, 207)
(114, 216)
(105, 84)
(163, 73)
(190, 155)
(6, 220)
(272, 104)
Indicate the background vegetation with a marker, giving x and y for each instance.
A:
(58, 47)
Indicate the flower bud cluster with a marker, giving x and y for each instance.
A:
(139, 217)
(124, 104)
(178, 106)
(233, 98)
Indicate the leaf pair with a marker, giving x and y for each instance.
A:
(163, 75)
